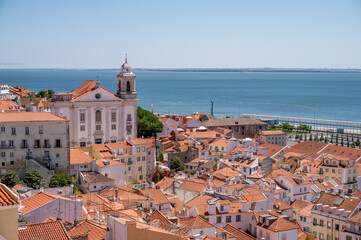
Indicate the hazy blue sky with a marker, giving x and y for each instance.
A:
(168, 34)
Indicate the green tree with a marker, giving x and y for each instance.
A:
(45, 94)
(148, 124)
(316, 138)
(348, 143)
(322, 138)
(336, 139)
(310, 137)
(326, 140)
(297, 136)
(160, 157)
(33, 179)
(357, 142)
(301, 137)
(10, 179)
(342, 141)
(287, 127)
(176, 164)
(60, 180)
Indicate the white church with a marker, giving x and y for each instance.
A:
(97, 115)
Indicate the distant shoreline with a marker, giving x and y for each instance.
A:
(221, 70)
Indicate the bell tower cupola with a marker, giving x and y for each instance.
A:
(126, 82)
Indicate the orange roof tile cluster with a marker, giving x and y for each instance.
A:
(163, 221)
(108, 163)
(197, 185)
(42, 103)
(196, 223)
(6, 117)
(44, 231)
(272, 149)
(77, 156)
(22, 92)
(94, 230)
(278, 132)
(36, 201)
(199, 200)
(279, 225)
(156, 194)
(8, 105)
(254, 197)
(7, 197)
(165, 183)
(239, 234)
(306, 211)
(92, 177)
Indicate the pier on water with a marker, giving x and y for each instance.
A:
(321, 125)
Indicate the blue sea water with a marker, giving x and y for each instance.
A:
(328, 95)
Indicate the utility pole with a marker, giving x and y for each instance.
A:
(212, 108)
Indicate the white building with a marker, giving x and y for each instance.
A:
(97, 115)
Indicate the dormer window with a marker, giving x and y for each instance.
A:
(222, 208)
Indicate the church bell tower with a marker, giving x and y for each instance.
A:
(126, 82)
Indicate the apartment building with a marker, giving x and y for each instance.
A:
(342, 168)
(330, 215)
(273, 137)
(34, 136)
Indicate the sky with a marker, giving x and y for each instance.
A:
(180, 34)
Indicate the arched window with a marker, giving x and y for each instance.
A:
(98, 116)
(128, 86)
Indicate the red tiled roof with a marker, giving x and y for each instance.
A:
(36, 201)
(157, 195)
(77, 156)
(6, 196)
(8, 105)
(239, 234)
(196, 223)
(95, 231)
(163, 221)
(44, 231)
(30, 117)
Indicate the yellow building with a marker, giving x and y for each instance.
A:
(342, 168)
(8, 214)
(330, 215)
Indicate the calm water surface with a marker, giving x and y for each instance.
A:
(330, 95)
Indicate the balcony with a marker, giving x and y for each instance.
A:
(24, 146)
(3, 147)
(47, 146)
(46, 158)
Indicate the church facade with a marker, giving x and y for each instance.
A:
(97, 115)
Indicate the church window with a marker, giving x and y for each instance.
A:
(114, 116)
(97, 96)
(98, 116)
(128, 86)
(82, 117)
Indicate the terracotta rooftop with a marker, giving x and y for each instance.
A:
(266, 133)
(163, 221)
(157, 195)
(7, 197)
(92, 177)
(196, 223)
(232, 122)
(44, 231)
(239, 234)
(42, 103)
(8, 105)
(108, 163)
(36, 201)
(77, 156)
(30, 117)
(94, 230)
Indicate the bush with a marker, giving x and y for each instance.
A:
(10, 179)
(60, 180)
(33, 179)
(176, 164)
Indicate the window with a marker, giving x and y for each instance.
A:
(222, 208)
(143, 149)
(41, 130)
(3, 164)
(2, 128)
(321, 236)
(321, 222)
(36, 143)
(98, 127)
(27, 130)
(114, 116)
(82, 144)
(138, 149)
(98, 116)
(114, 126)
(82, 128)
(128, 86)
(219, 219)
(11, 154)
(143, 159)
(238, 218)
(46, 143)
(328, 224)
(57, 143)
(98, 140)
(82, 117)
(129, 117)
(57, 155)
(339, 171)
(24, 143)
(229, 219)
(56, 164)
(13, 131)
(11, 143)
(138, 159)
(11, 162)
(3, 154)
(140, 169)
(333, 171)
